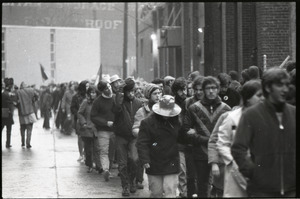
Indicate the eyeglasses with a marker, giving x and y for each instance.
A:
(211, 87)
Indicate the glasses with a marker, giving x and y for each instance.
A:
(211, 88)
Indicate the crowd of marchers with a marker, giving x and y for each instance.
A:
(232, 135)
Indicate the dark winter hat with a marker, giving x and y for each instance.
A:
(149, 89)
(8, 82)
(102, 85)
(129, 84)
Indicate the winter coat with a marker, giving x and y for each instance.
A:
(141, 114)
(66, 101)
(231, 97)
(157, 145)
(84, 118)
(213, 154)
(124, 118)
(26, 97)
(7, 102)
(203, 121)
(272, 167)
(234, 182)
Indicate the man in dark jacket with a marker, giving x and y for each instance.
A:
(268, 131)
(7, 109)
(102, 116)
(157, 147)
(228, 95)
(179, 88)
(199, 122)
(127, 106)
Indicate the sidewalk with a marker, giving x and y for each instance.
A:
(50, 168)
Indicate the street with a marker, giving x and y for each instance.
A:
(50, 169)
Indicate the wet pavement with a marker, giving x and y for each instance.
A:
(50, 168)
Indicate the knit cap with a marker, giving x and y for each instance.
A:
(149, 89)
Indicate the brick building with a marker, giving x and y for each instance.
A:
(215, 37)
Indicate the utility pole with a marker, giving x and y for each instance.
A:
(136, 39)
(125, 40)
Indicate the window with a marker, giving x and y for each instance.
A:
(52, 65)
(52, 73)
(142, 47)
(52, 56)
(151, 46)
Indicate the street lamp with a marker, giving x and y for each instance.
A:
(153, 36)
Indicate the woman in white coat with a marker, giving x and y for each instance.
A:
(234, 182)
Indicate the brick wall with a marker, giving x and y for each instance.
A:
(231, 36)
(249, 34)
(273, 26)
(212, 39)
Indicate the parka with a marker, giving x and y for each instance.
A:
(157, 145)
(272, 145)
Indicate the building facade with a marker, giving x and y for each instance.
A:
(214, 37)
(105, 18)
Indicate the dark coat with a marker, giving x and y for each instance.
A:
(200, 119)
(157, 145)
(272, 147)
(124, 117)
(7, 103)
(231, 97)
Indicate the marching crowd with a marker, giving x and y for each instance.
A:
(202, 136)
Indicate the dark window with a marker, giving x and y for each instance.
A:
(3, 56)
(52, 73)
(3, 46)
(52, 56)
(52, 38)
(53, 65)
(142, 47)
(151, 46)
(3, 74)
(52, 47)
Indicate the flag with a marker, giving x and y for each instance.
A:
(44, 75)
(99, 75)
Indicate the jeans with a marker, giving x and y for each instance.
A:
(134, 156)
(28, 129)
(88, 149)
(8, 133)
(103, 141)
(112, 150)
(163, 185)
(182, 185)
(203, 175)
(191, 173)
(126, 164)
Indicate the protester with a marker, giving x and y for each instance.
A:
(190, 166)
(253, 72)
(168, 81)
(268, 131)
(153, 94)
(179, 89)
(7, 109)
(234, 183)
(103, 117)
(127, 106)
(66, 108)
(26, 96)
(234, 80)
(76, 101)
(160, 83)
(158, 149)
(46, 106)
(199, 122)
(228, 95)
(87, 129)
